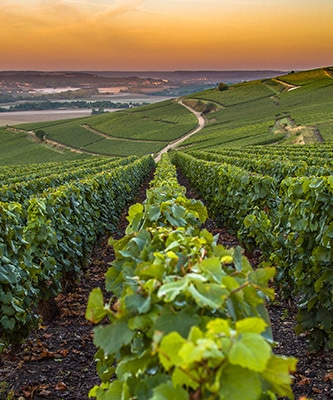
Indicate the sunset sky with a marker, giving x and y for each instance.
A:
(135, 35)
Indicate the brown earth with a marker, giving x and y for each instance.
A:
(296, 134)
(57, 361)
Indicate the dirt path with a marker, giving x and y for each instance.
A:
(328, 73)
(57, 145)
(175, 143)
(297, 134)
(288, 86)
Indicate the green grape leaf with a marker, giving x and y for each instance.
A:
(133, 366)
(9, 310)
(202, 350)
(167, 391)
(190, 353)
(277, 374)
(239, 384)
(173, 221)
(169, 349)
(112, 391)
(211, 268)
(195, 334)
(135, 218)
(179, 321)
(330, 181)
(208, 294)
(154, 212)
(251, 325)
(144, 386)
(250, 351)
(199, 209)
(96, 310)
(133, 211)
(8, 276)
(135, 303)
(169, 291)
(7, 323)
(262, 276)
(218, 326)
(151, 271)
(230, 282)
(178, 211)
(140, 322)
(190, 379)
(112, 338)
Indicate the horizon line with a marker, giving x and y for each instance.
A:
(152, 70)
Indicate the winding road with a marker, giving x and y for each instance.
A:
(175, 143)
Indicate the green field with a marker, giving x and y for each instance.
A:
(164, 121)
(16, 148)
(236, 94)
(252, 110)
(140, 131)
(306, 77)
(289, 109)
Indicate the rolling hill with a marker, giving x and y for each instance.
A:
(295, 108)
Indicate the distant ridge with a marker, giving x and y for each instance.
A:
(231, 76)
(163, 80)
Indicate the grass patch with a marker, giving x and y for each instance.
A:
(17, 148)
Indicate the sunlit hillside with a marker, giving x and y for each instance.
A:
(295, 108)
(291, 109)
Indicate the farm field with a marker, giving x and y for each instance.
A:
(287, 109)
(139, 131)
(267, 111)
(16, 148)
(265, 177)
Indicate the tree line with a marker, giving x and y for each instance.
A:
(57, 105)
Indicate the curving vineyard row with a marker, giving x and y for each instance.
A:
(276, 162)
(291, 152)
(47, 233)
(289, 217)
(19, 173)
(21, 189)
(186, 317)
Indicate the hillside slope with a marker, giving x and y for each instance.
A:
(295, 108)
(291, 109)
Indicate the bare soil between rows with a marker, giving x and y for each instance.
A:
(57, 360)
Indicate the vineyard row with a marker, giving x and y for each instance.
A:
(45, 239)
(186, 316)
(291, 220)
(22, 190)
